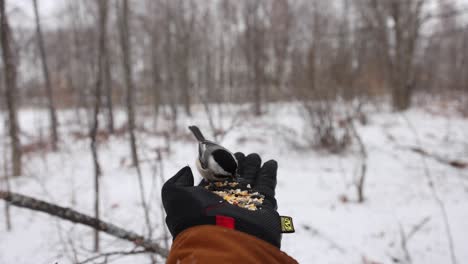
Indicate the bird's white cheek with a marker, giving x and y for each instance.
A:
(214, 166)
(207, 174)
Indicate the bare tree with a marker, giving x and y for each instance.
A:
(155, 64)
(255, 50)
(48, 85)
(11, 93)
(342, 61)
(169, 62)
(397, 43)
(101, 72)
(281, 23)
(184, 19)
(107, 79)
(127, 65)
(130, 88)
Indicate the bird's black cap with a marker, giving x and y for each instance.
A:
(225, 160)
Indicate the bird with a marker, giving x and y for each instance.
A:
(214, 162)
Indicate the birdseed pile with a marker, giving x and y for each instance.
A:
(237, 194)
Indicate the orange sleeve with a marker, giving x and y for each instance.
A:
(215, 244)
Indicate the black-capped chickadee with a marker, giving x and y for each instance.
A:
(215, 163)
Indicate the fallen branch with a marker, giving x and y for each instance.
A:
(454, 163)
(77, 217)
(435, 194)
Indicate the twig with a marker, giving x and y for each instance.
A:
(161, 178)
(114, 253)
(417, 227)
(73, 248)
(77, 217)
(332, 243)
(435, 195)
(209, 116)
(144, 204)
(405, 238)
(404, 246)
(219, 132)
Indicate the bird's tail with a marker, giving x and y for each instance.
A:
(197, 133)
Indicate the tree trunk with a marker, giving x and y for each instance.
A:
(108, 84)
(186, 91)
(125, 45)
(107, 76)
(48, 85)
(102, 6)
(169, 59)
(406, 16)
(401, 97)
(11, 93)
(156, 78)
(127, 63)
(254, 49)
(7, 187)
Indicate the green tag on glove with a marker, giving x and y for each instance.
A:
(287, 225)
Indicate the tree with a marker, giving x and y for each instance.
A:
(107, 74)
(184, 24)
(169, 63)
(101, 76)
(11, 93)
(155, 67)
(395, 25)
(130, 88)
(127, 65)
(48, 85)
(255, 50)
(281, 22)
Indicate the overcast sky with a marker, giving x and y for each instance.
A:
(21, 11)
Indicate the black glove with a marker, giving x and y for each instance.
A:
(187, 205)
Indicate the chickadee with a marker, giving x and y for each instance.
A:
(215, 163)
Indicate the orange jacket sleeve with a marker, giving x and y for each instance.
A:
(215, 244)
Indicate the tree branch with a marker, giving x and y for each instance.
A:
(114, 253)
(77, 217)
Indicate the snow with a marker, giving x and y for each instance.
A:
(311, 186)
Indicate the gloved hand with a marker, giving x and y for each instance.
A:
(187, 205)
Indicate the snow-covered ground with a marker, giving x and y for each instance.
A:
(314, 187)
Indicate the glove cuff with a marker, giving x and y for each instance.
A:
(271, 236)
